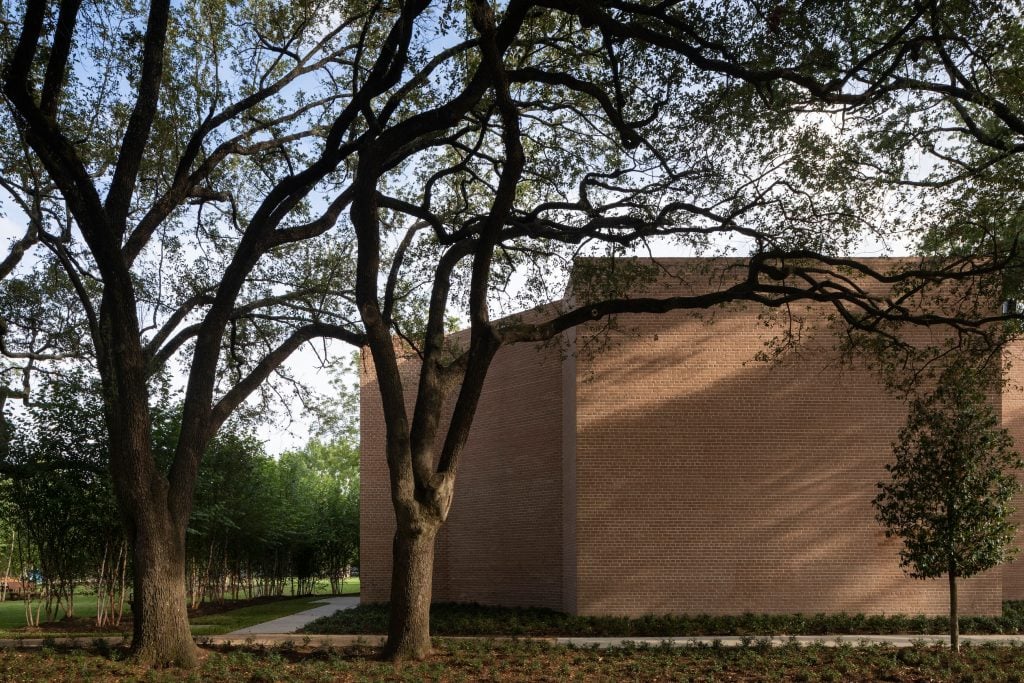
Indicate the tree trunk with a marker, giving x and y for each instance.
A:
(161, 635)
(7, 572)
(954, 620)
(411, 583)
(155, 514)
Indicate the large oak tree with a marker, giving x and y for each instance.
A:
(174, 144)
(621, 124)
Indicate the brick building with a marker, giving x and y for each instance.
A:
(671, 472)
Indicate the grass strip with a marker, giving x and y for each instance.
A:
(217, 623)
(232, 620)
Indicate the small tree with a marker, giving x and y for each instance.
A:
(952, 482)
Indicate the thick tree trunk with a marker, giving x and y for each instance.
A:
(954, 620)
(161, 634)
(155, 514)
(411, 583)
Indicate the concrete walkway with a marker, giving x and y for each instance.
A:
(293, 622)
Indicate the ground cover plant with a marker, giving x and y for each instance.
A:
(539, 661)
(477, 620)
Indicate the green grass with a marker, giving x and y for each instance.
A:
(12, 615)
(323, 587)
(538, 661)
(225, 622)
(477, 620)
(12, 612)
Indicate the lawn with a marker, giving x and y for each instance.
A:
(232, 620)
(538, 661)
(12, 616)
(477, 620)
(12, 612)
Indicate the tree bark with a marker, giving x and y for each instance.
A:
(411, 584)
(954, 620)
(155, 513)
(161, 635)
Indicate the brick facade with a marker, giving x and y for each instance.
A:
(1012, 415)
(502, 543)
(670, 472)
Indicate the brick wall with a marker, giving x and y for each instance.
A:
(695, 478)
(709, 482)
(502, 543)
(376, 516)
(1013, 420)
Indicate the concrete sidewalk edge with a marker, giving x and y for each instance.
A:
(310, 641)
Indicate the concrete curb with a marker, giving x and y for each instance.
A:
(781, 640)
(310, 642)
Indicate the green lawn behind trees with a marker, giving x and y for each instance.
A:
(261, 527)
(13, 616)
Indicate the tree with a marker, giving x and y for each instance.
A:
(370, 170)
(328, 512)
(57, 493)
(40, 325)
(952, 485)
(618, 124)
(255, 521)
(204, 145)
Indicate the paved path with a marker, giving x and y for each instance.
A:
(293, 622)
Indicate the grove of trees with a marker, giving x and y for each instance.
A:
(260, 526)
(206, 186)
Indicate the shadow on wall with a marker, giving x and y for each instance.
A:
(1013, 420)
(710, 484)
(706, 482)
(502, 543)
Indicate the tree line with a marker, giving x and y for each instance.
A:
(260, 526)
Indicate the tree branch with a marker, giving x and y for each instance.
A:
(136, 134)
(53, 82)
